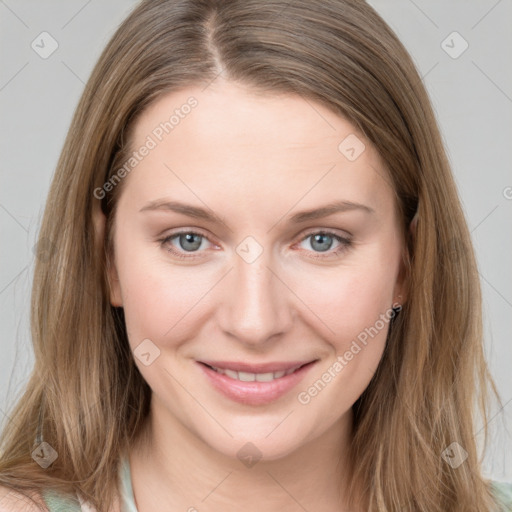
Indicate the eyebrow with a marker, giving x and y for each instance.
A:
(208, 215)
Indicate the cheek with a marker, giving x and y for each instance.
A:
(353, 309)
(159, 299)
(347, 299)
(355, 352)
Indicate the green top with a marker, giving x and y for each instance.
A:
(503, 492)
(60, 503)
(57, 503)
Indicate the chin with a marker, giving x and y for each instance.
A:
(255, 446)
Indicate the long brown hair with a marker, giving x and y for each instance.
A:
(86, 397)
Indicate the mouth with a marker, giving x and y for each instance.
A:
(254, 376)
(263, 385)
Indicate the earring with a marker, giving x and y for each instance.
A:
(396, 309)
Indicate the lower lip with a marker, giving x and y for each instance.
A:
(255, 393)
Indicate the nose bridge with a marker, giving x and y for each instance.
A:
(257, 306)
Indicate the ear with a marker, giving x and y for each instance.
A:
(400, 291)
(99, 221)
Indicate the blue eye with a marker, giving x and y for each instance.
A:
(189, 241)
(322, 241)
(189, 244)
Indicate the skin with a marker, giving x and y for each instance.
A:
(254, 160)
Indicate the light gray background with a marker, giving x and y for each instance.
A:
(471, 94)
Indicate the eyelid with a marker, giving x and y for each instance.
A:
(331, 231)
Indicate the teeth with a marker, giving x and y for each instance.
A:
(264, 377)
(230, 373)
(246, 377)
(252, 377)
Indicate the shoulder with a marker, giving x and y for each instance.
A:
(15, 501)
(503, 493)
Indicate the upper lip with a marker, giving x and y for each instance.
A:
(257, 368)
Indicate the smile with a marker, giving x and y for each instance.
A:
(254, 387)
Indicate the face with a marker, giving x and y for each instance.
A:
(225, 255)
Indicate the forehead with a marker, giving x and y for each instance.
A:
(227, 111)
(230, 140)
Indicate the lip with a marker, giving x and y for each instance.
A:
(254, 393)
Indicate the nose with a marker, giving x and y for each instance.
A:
(256, 305)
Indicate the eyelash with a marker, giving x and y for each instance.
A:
(345, 243)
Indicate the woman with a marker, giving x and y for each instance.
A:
(196, 346)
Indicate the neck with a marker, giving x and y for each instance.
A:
(171, 465)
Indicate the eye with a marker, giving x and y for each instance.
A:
(185, 242)
(322, 242)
